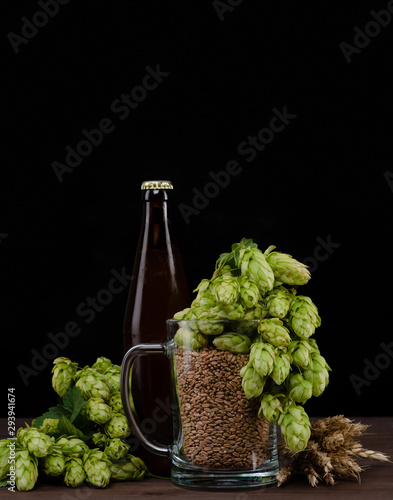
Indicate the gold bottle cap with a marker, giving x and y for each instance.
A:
(156, 185)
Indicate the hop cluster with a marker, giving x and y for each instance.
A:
(285, 366)
(83, 438)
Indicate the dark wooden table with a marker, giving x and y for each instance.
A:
(376, 480)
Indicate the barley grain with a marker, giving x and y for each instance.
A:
(220, 426)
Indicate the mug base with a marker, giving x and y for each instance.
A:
(183, 474)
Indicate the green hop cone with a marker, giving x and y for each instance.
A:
(117, 426)
(281, 366)
(210, 326)
(102, 364)
(299, 389)
(74, 473)
(93, 383)
(99, 440)
(36, 442)
(71, 445)
(128, 469)
(50, 426)
(189, 339)
(317, 373)
(4, 456)
(278, 302)
(253, 263)
(249, 292)
(270, 407)
(252, 382)
(97, 468)
(256, 313)
(63, 371)
(26, 470)
(295, 428)
(116, 403)
(303, 316)
(300, 352)
(210, 320)
(273, 332)
(97, 410)
(225, 289)
(287, 269)
(183, 314)
(233, 342)
(113, 376)
(116, 449)
(204, 296)
(262, 358)
(313, 344)
(53, 464)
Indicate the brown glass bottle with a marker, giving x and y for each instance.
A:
(158, 289)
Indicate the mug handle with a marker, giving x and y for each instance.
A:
(129, 357)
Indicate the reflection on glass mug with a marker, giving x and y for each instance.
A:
(219, 441)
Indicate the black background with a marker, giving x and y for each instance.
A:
(321, 179)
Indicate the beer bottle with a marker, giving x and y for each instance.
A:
(158, 289)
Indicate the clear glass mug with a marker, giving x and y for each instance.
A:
(219, 441)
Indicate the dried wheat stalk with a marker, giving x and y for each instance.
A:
(330, 453)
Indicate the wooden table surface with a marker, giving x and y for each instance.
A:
(376, 480)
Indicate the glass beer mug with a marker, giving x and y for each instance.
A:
(219, 441)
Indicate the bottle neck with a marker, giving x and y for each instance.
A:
(156, 231)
